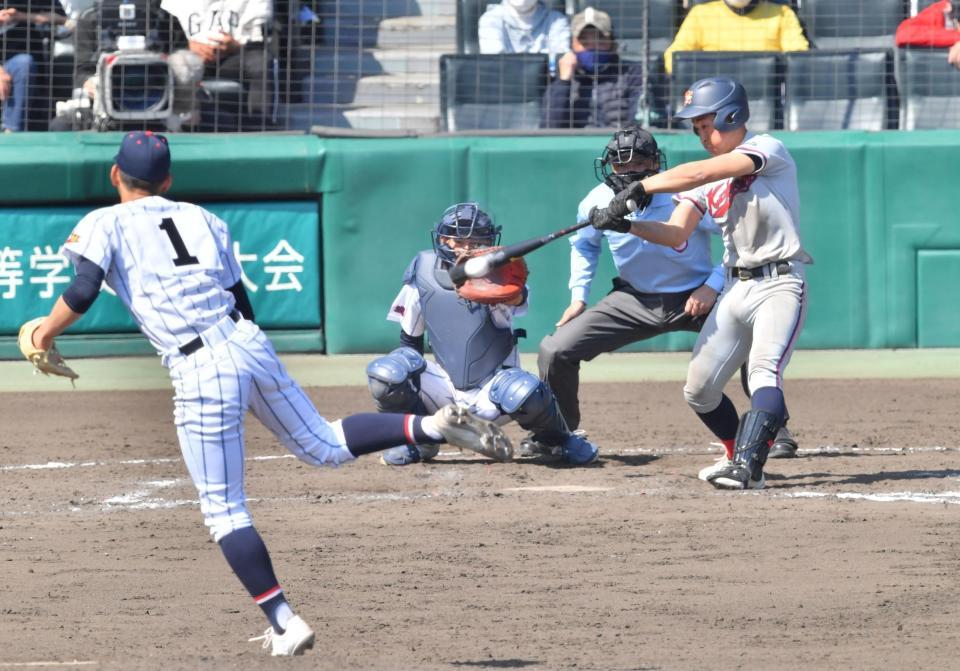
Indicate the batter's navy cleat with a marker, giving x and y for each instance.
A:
(404, 455)
(734, 475)
(578, 451)
(297, 638)
(464, 430)
(784, 446)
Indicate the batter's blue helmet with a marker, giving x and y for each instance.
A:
(723, 95)
(464, 221)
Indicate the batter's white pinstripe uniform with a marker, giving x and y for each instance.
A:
(171, 264)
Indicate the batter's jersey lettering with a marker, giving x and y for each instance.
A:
(169, 262)
(758, 214)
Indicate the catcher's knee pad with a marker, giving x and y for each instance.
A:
(528, 400)
(394, 381)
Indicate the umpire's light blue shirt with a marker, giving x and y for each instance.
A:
(646, 266)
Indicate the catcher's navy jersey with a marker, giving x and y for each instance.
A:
(169, 262)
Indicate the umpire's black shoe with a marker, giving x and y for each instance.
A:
(784, 446)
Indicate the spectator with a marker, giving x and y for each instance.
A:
(936, 26)
(738, 25)
(226, 39)
(523, 27)
(593, 88)
(22, 52)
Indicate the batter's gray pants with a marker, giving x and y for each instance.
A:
(624, 316)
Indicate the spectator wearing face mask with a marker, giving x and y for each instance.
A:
(936, 26)
(523, 27)
(738, 25)
(593, 88)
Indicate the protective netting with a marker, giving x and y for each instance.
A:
(424, 66)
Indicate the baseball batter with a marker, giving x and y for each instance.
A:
(474, 344)
(172, 266)
(749, 187)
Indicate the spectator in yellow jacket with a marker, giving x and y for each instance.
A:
(738, 25)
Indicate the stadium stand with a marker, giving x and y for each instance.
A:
(761, 73)
(929, 89)
(468, 15)
(628, 22)
(491, 91)
(833, 90)
(853, 23)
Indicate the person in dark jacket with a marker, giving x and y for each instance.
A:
(593, 87)
(23, 28)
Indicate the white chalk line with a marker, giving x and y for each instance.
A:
(714, 447)
(22, 665)
(892, 497)
(149, 495)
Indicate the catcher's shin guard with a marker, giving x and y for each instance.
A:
(394, 381)
(529, 401)
(751, 446)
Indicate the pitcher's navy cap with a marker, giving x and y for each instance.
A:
(144, 155)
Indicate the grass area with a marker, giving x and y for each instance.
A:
(317, 370)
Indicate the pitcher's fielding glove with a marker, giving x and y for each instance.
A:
(503, 284)
(48, 362)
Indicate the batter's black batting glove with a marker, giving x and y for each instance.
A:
(604, 220)
(633, 197)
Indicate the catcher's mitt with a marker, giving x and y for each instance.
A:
(48, 362)
(502, 284)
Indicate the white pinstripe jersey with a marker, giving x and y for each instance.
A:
(169, 262)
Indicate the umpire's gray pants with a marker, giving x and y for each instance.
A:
(623, 316)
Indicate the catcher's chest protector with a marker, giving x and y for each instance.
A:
(464, 339)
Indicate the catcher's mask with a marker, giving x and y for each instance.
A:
(464, 221)
(629, 145)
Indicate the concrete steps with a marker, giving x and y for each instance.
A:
(378, 67)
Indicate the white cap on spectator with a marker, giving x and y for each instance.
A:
(592, 17)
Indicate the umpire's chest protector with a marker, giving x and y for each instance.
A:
(463, 337)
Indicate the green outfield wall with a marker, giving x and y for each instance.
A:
(326, 226)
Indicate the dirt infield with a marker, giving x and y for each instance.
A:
(850, 557)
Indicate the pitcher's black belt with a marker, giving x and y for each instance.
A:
(744, 274)
(197, 343)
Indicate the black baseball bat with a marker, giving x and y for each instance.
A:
(479, 266)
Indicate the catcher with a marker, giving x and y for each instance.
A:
(471, 334)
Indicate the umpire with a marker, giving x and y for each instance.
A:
(658, 289)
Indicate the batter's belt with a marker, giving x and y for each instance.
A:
(197, 343)
(773, 269)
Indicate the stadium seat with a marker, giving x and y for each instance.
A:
(833, 90)
(793, 3)
(468, 15)
(929, 89)
(852, 24)
(923, 4)
(627, 17)
(491, 91)
(760, 72)
(655, 110)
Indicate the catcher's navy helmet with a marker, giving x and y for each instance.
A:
(628, 145)
(723, 95)
(464, 221)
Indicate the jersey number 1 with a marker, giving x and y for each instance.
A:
(183, 257)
